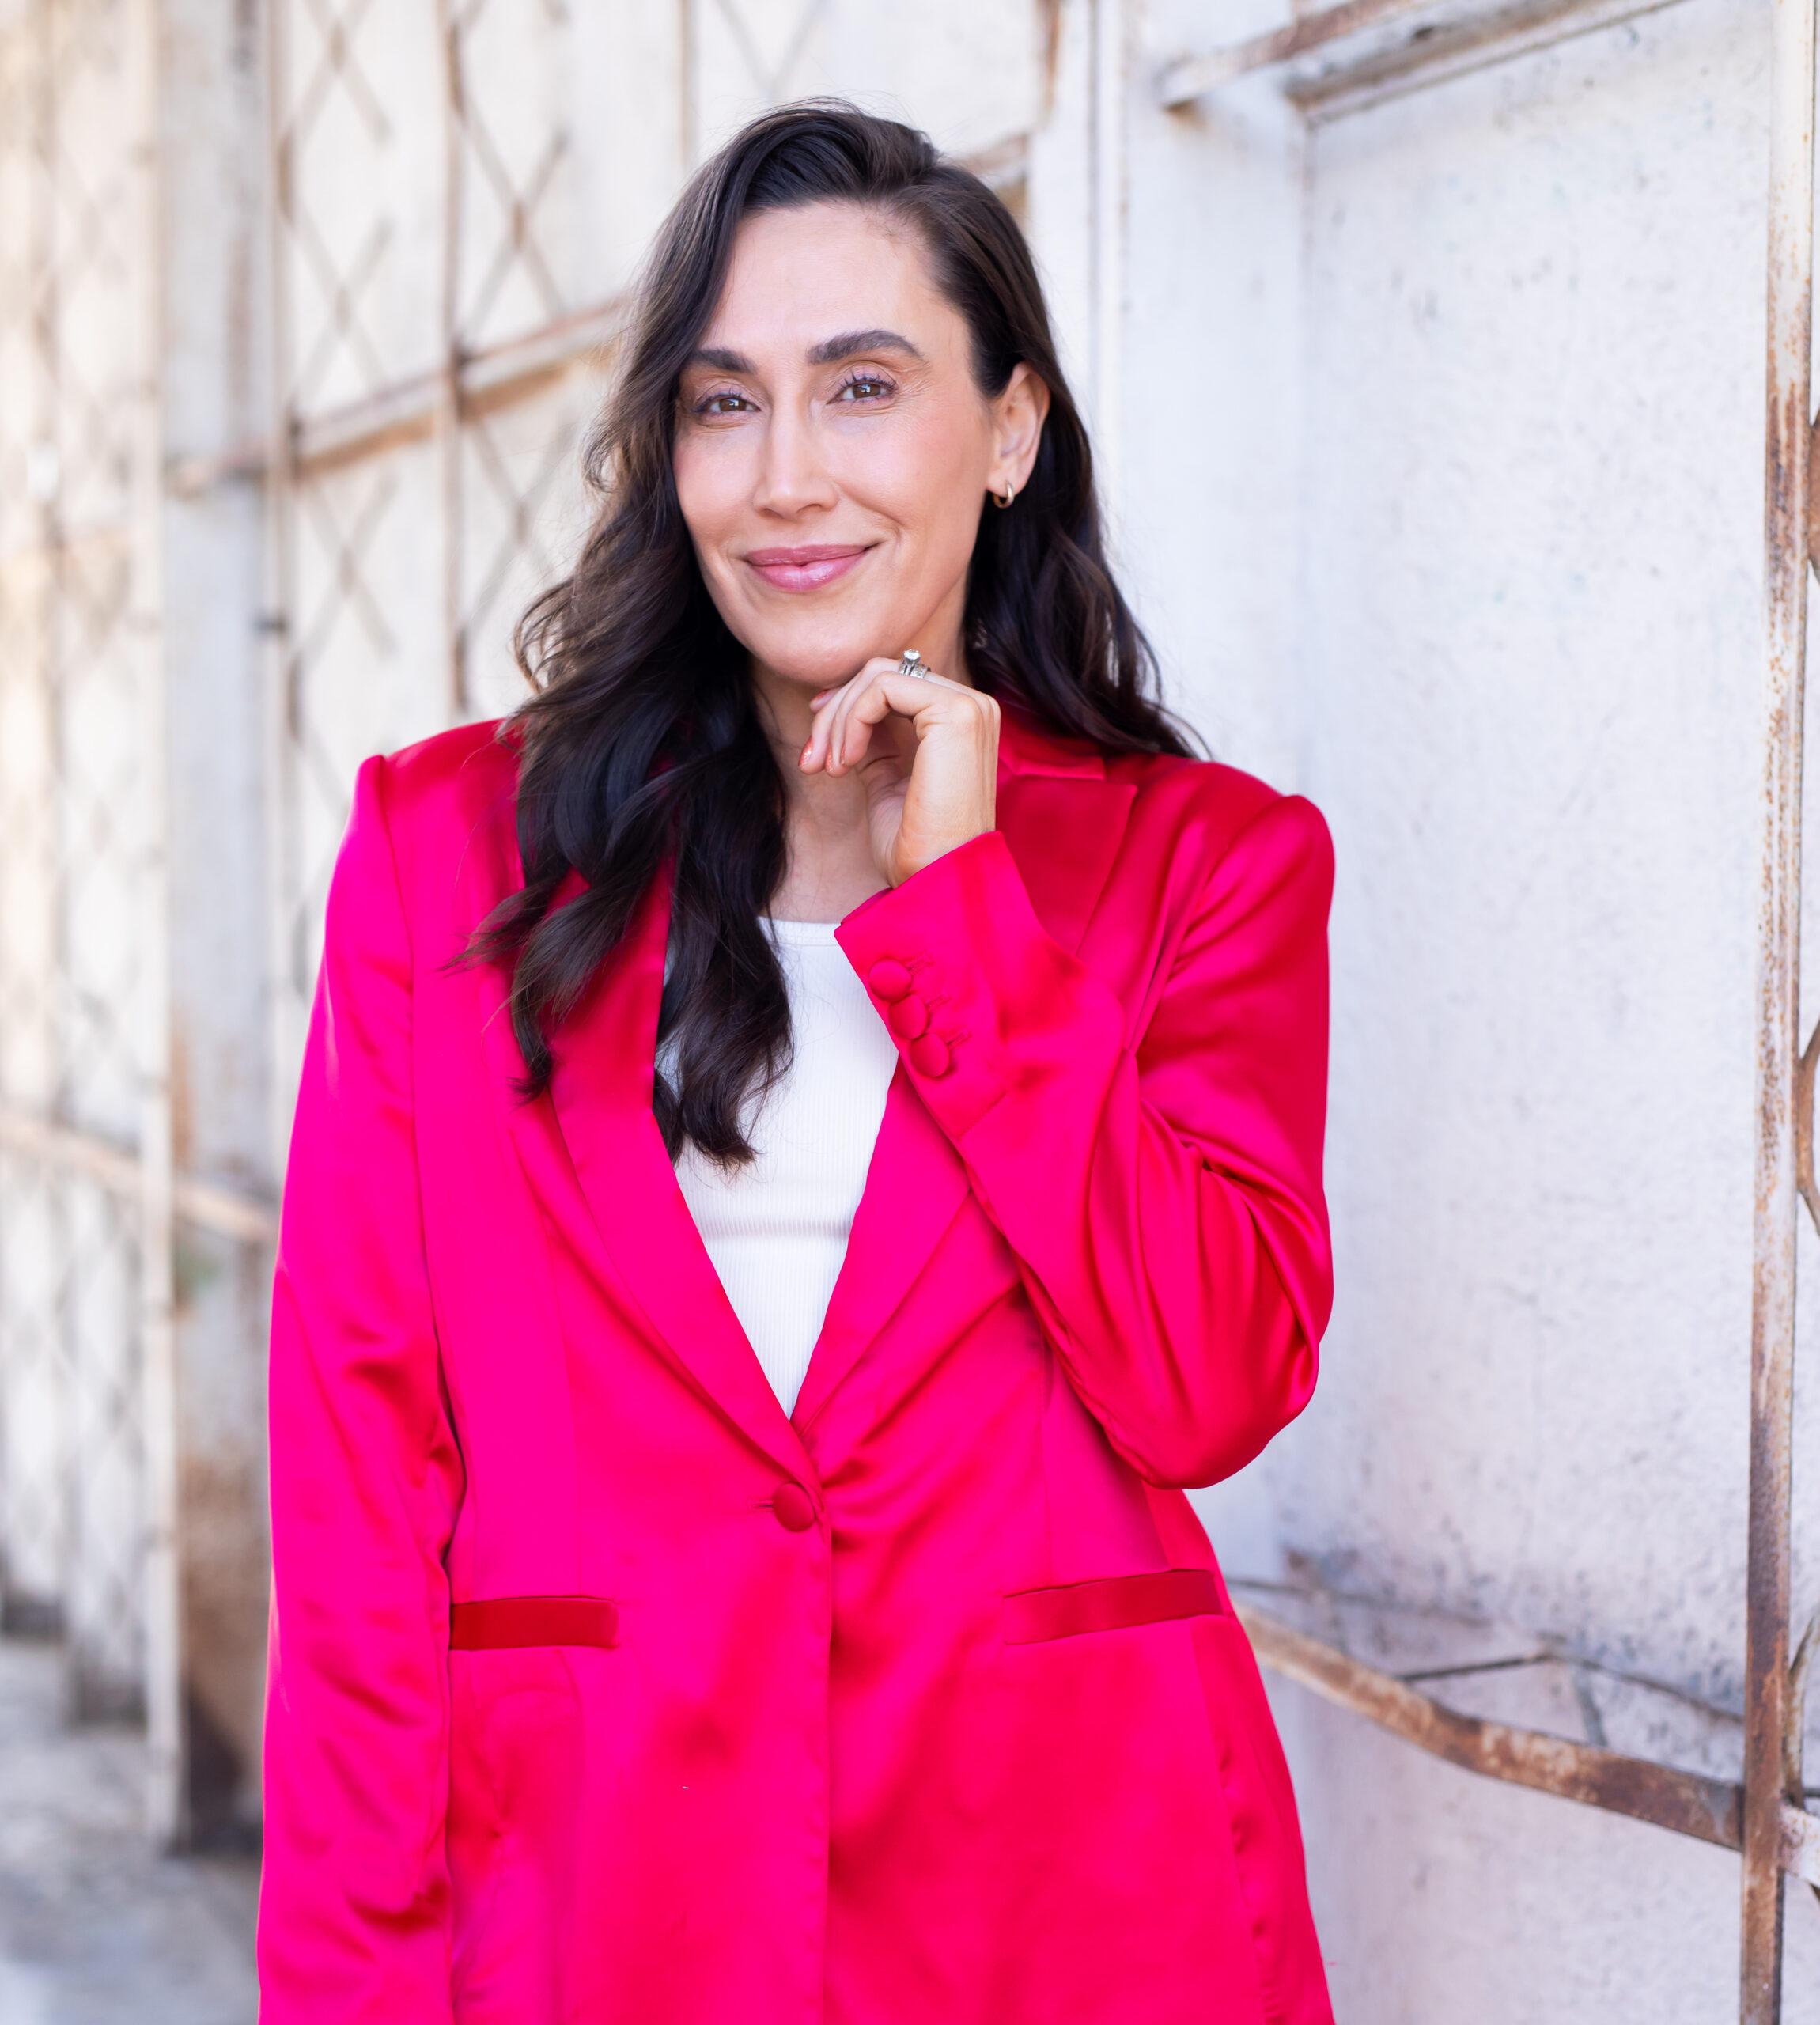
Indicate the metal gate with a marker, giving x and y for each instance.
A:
(85, 1482)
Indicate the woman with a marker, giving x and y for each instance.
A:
(838, 955)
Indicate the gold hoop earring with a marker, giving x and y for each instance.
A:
(1010, 494)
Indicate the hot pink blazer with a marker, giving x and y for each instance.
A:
(600, 1689)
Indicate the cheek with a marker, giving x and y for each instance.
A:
(930, 481)
(710, 489)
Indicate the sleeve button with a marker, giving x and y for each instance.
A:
(928, 1054)
(888, 979)
(909, 1017)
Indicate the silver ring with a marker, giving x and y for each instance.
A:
(912, 664)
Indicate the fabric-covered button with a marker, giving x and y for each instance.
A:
(909, 1017)
(888, 979)
(929, 1055)
(795, 1509)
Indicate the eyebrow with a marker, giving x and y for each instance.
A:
(850, 342)
(829, 352)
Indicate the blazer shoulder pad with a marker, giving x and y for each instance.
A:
(453, 779)
(1214, 801)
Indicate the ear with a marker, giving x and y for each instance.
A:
(1017, 428)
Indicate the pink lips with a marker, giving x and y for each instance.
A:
(804, 569)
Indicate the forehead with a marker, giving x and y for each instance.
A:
(798, 276)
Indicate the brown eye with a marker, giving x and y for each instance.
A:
(866, 388)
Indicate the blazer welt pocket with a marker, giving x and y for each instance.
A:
(1034, 1615)
(501, 1623)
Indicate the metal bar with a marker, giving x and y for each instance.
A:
(275, 460)
(688, 124)
(448, 404)
(1437, 48)
(165, 1783)
(1788, 415)
(56, 541)
(1109, 196)
(1431, 53)
(407, 411)
(1687, 1802)
(1189, 78)
(225, 1211)
(207, 1204)
(1709, 1810)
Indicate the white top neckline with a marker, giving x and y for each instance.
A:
(777, 1229)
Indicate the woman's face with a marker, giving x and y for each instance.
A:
(833, 450)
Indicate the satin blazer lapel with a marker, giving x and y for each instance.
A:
(915, 1185)
(601, 1103)
(1063, 821)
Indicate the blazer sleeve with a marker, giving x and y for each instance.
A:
(354, 1911)
(1161, 1190)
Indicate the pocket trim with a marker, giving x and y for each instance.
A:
(1032, 1617)
(500, 1623)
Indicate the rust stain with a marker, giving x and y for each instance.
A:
(1049, 12)
(1708, 1810)
(1803, 1104)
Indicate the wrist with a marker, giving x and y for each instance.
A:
(919, 857)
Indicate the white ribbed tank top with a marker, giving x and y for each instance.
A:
(777, 1230)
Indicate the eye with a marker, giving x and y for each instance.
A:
(865, 387)
(723, 403)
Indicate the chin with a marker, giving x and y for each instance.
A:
(820, 663)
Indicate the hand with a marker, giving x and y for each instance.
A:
(927, 750)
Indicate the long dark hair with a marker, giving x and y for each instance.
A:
(643, 741)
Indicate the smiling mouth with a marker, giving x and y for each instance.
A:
(805, 569)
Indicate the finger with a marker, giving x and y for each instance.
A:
(845, 717)
(895, 694)
(822, 706)
(826, 717)
(843, 751)
(865, 706)
(847, 737)
(914, 698)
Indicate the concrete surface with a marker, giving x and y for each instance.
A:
(95, 1930)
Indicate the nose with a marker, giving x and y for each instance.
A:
(793, 478)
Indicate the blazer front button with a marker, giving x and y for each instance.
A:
(929, 1055)
(888, 979)
(909, 1017)
(795, 1509)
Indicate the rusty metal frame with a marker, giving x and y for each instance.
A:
(1772, 1707)
(1686, 1803)
(1395, 40)
(207, 1205)
(165, 1810)
(1764, 1817)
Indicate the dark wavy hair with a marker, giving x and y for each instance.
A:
(643, 740)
